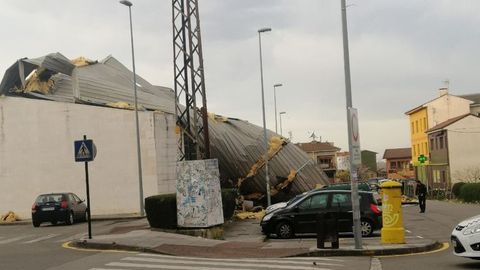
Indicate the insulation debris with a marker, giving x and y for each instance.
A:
(40, 81)
(120, 105)
(9, 217)
(82, 61)
(251, 215)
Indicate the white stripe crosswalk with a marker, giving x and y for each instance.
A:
(35, 238)
(156, 261)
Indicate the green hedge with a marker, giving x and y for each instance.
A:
(470, 192)
(162, 209)
(456, 189)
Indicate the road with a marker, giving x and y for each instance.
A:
(25, 247)
(437, 223)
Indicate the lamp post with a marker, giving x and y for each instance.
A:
(267, 180)
(275, 102)
(139, 157)
(281, 132)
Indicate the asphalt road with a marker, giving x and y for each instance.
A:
(437, 223)
(25, 247)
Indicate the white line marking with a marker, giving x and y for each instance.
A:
(72, 237)
(108, 269)
(157, 266)
(218, 263)
(408, 231)
(419, 237)
(10, 240)
(293, 260)
(40, 238)
(375, 264)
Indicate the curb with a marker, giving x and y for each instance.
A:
(84, 244)
(373, 252)
(97, 218)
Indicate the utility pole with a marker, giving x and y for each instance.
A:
(353, 167)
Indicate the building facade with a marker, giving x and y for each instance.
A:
(398, 163)
(323, 154)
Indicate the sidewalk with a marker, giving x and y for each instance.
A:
(243, 239)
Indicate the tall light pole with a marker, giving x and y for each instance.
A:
(139, 156)
(353, 167)
(267, 180)
(280, 113)
(275, 102)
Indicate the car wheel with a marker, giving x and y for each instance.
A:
(366, 227)
(36, 223)
(69, 220)
(284, 230)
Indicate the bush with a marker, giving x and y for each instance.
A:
(437, 194)
(162, 211)
(456, 189)
(228, 202)
(470, 192)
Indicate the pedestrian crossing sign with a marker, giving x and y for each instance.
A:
(85, 150)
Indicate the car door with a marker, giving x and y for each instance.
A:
(341, 207)
(307, 211)
(74, 205)
(82, 207)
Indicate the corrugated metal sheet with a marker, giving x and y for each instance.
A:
(237, 144)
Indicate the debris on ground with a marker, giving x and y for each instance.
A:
(251, 215)
(9, 217)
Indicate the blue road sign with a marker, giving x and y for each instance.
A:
(85, 150)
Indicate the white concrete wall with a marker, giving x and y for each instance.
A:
(464, 147)
(37, 155)
(166, 149)
(446, 107)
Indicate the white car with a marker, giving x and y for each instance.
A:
(466, 238)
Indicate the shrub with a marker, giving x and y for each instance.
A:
(162, 211)
(470, 192)
(456, 189)
(228, 202)
(437, 194)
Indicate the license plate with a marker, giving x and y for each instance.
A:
(48, 208)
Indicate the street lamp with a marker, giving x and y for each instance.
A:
(281, 132)
(275, 102)
(267, 180)
(139, 157)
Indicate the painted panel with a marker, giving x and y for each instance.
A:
(199, 200)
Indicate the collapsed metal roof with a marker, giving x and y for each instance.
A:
(237, 144)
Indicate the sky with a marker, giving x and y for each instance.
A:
(401, 53)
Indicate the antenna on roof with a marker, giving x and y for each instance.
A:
(447, 83)
(313, 136)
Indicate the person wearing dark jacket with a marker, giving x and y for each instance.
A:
(421, 192)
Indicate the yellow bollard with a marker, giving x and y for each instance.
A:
(393, 231)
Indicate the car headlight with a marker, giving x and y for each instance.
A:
(268, 217)
(472, 229)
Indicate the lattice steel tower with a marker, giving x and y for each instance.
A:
(194, 141)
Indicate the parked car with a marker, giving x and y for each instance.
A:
(466, 238)
(300, 216)
(58, 207)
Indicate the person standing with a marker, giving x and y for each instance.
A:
(421, 192)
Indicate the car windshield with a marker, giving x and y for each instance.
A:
(296, 198)
(50, 198)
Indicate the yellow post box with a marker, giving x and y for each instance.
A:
(393, 231)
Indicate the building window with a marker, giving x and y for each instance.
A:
(441, 142)
(424, 123)
(416, 126)
(426, 147)
(393, 165)
(414, 150)
(431, 144)
(436, 143)
(413, 130)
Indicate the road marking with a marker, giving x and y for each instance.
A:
(218, 263)
(10, 240)
(72, 237)
(408, 231)
(445, 246)
(40, 238)
(300, 261)
(418, 236)
(375, 264)
(108, 269)
(157, 266)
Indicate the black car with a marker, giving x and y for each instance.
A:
(58, 207)
(300, 217)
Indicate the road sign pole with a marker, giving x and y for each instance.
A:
(88, 197)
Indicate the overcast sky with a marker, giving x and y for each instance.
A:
(400, 54)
